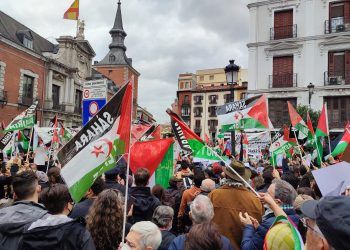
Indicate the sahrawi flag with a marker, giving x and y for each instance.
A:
(298, 122)
(190, 141)
(244, 114)
(95, 148)
(25, 120)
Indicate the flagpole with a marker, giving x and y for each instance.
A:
(30, 141)
(329, 139)
(301, 156)
(273, 158)
(318, 151)
(128, 165)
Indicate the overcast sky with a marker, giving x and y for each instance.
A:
(165, 37)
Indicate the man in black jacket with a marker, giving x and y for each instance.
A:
(144, 203)
(57, 231)
(82, 208)
(24, 211)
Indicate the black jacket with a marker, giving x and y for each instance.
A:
(167, 239)
(15, 218)
(144, 205)
(65, 236)
(109, 184)
(81, 209)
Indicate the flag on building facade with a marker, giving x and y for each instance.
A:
(95, 148)
(73, 12)
(244, 114)
(297, 122)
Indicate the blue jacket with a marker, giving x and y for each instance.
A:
(179, 243)
(255, 239)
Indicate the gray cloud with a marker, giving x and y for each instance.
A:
(165, 37)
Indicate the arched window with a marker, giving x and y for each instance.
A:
(112, 58)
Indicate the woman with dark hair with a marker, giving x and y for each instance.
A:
(203, 236)
(54, 175)
(158, 191)
(105, 219)
(57, 230)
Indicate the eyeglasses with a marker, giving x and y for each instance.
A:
(306, 225)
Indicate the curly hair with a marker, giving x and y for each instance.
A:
(105, 219)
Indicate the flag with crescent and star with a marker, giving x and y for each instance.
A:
(244, 114)
(95, 148)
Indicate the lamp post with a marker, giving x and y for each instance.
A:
(311, 88)
(231, 72)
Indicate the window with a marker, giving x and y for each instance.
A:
(78, 101)
(227, 98)
(243, 95)
(197, 99)
(212, 111)
(185, 111)
(213, 99)
(211, 77)
(282, 72)
(277, 111)
(111, 58)
(186, 99)
(212, 125)
(198, 123)
(28, 83)
(338, 109)
(198, 111)
(201, 78)
(283, 25)
(27, 42)
(338, 70)
(181, 85)
(187, 85)
(55, 96)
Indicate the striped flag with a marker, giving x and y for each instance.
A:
(73, 12)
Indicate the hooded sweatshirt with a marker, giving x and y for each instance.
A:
(15, 218)
(57, 232)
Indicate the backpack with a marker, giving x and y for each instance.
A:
(170, 197)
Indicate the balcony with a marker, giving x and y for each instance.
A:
(336, 78)
(3, 96)
(212, 128)
(186, 103)
(185, 114)
(283, 80)
(283, 32)
(336, 25)
(198, 102)
(25, 101)
(197, 115)
(212, 101)
(212, 114)
(58, 107)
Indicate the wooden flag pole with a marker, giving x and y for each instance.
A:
(128, 165)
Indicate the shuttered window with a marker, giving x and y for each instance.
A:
(282, 72)
(338, 110)
(278, 111)
(283, 24)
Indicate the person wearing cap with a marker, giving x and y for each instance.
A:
(328, 222)
(284, 195)
(111, 180)
(233, 197)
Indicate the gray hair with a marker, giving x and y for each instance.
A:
(202, 210)
(163, 216)
(284, 192)
(208, 185)
(150, 235)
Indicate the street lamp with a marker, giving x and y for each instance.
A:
(231, 72)
(311, 88)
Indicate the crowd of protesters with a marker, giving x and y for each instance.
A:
(207, 208)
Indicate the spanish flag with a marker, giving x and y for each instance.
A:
(73, 12)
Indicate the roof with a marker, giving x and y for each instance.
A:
(14, 31)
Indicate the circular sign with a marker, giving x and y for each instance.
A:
(93, 108)
(86, 93)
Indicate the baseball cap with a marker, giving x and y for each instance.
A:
(332, 216)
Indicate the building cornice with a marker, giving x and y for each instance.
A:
(299, 39)
(262, 3)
